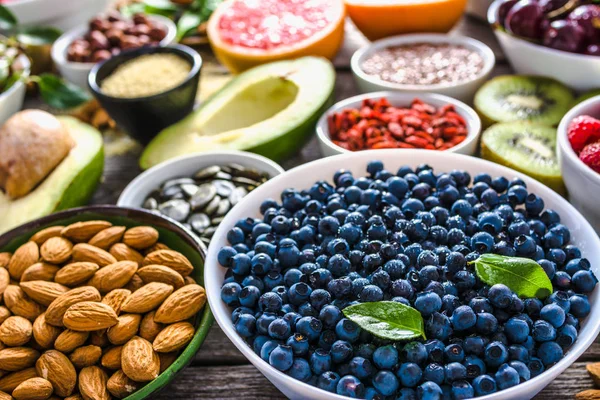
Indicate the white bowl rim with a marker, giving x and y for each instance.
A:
(19, 83)
(213, 283)
(60, 46)
(469, 114)
(564, 144)
(531, 45)
(359, 55)
(131, 189)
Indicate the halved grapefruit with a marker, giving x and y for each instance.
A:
(377, 19)
(246, 33)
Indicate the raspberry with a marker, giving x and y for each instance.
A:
(590, 155)
(582, 131)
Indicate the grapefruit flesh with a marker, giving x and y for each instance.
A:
(378, 19)
(246, 33)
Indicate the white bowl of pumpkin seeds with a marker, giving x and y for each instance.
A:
(199, 190)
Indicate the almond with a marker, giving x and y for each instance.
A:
(112, 358)
(107, 237)
(115, 298)
(5, 259)
(25, 256)
(122, 252)
(5, 396)
(593, 370)
(171, 259)
(126, 328)
(147, 298)
(99, 338)
(45, 334)
(74, 397)
(84, 231)
(33, 389)
(182, 304)
(166, 359)
(113, 276)
(17, 358)
(85, 356)
(590, 394)
(92, 384)
(189, 280)
(58, 369)
(149, 328)
(56, 310)
(4, 280)
(69, 340)
(174, 337)
(138, 360)
(76, 273)
(88, 316)
(43, 292)
(120, 386)
(135, 283)
(86, 252)
(140, 237)
(9, 382)
(56, 250)
(156, 247)
(40, 271)
(4, 314)
(20, 304)
(16, 331)
(160, 273)
(41, 236)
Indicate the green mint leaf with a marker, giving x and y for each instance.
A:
(38, 35)
(60, 94)
(208, 7)
(387, 320)
(131, 9)
(7, 19)
(523, 276)
(160, 7)
(188, 21)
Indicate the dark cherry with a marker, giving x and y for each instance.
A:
(551, 5)
(588, 18)
(526, 19)
(504, 8)
(566, 36)
(593, 50)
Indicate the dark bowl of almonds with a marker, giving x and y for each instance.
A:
(79, 49)
(198, 190)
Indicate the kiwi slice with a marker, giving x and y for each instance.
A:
(526, 147)
(523, 98)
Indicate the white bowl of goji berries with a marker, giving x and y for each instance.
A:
(394, 120)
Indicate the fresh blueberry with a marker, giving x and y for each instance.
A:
(385, 357)
(516, 330)
(486, 323)
(454, 371)
(427, 303)
(500, 296)
(522, 370)
(385, 382)
(309, 327)
(584, 281)
(245, 325)
(496, 354)
(281, 358)
(580, 306)
(475, 366)
(414, 352)
(267, 349)
(328, 381)
(506, 377)
(300, 370)
(429, 391)
(543, 331)
(438, 326)
(341, 351)
(484, 385)
(230, 293)
(347, 330)
(409, 374)
(553, 314)
(536, 366)
(279, 329)
(350, 386)
(463, 318)
(550, 353)
(320, 361)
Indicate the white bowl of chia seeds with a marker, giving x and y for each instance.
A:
(199, 190)
(454, 66)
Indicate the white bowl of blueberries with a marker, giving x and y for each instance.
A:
(406, 275)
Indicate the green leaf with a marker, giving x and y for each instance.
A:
(523, 276)
(7, 19)
(38, 35)
(12, 79)
(160, 7)
(60, 94)
(188, 21)
(387, 320)
(208, 7)
(131, 9)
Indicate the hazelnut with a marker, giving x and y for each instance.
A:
(129, 29)
(144, 40)
(114, 36)
(140, 19)
(98, 41)
(142, 30)
(129, 42)
(77, 53)
(119, 25)
(113, 16)
(101, 55)
(158, 33)
(98, 24)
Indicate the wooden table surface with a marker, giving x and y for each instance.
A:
(219, 370)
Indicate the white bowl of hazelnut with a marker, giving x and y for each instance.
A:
(77, 50)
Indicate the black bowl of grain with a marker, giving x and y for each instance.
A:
(147, 89)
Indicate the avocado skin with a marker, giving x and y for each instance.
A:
(82, 188)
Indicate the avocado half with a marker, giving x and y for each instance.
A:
(269, 110)
(70, 184)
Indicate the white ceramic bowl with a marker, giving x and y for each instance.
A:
(11, 101)
(478, 8)
(60, 14)
(583, 183)
(304, 176)
(77, 72)
(138, 190)
(578, 71)
(468, 146)
(464, 91)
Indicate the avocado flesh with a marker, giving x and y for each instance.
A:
(70, 184)
(269, 110)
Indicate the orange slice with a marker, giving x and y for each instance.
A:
(246, 33)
